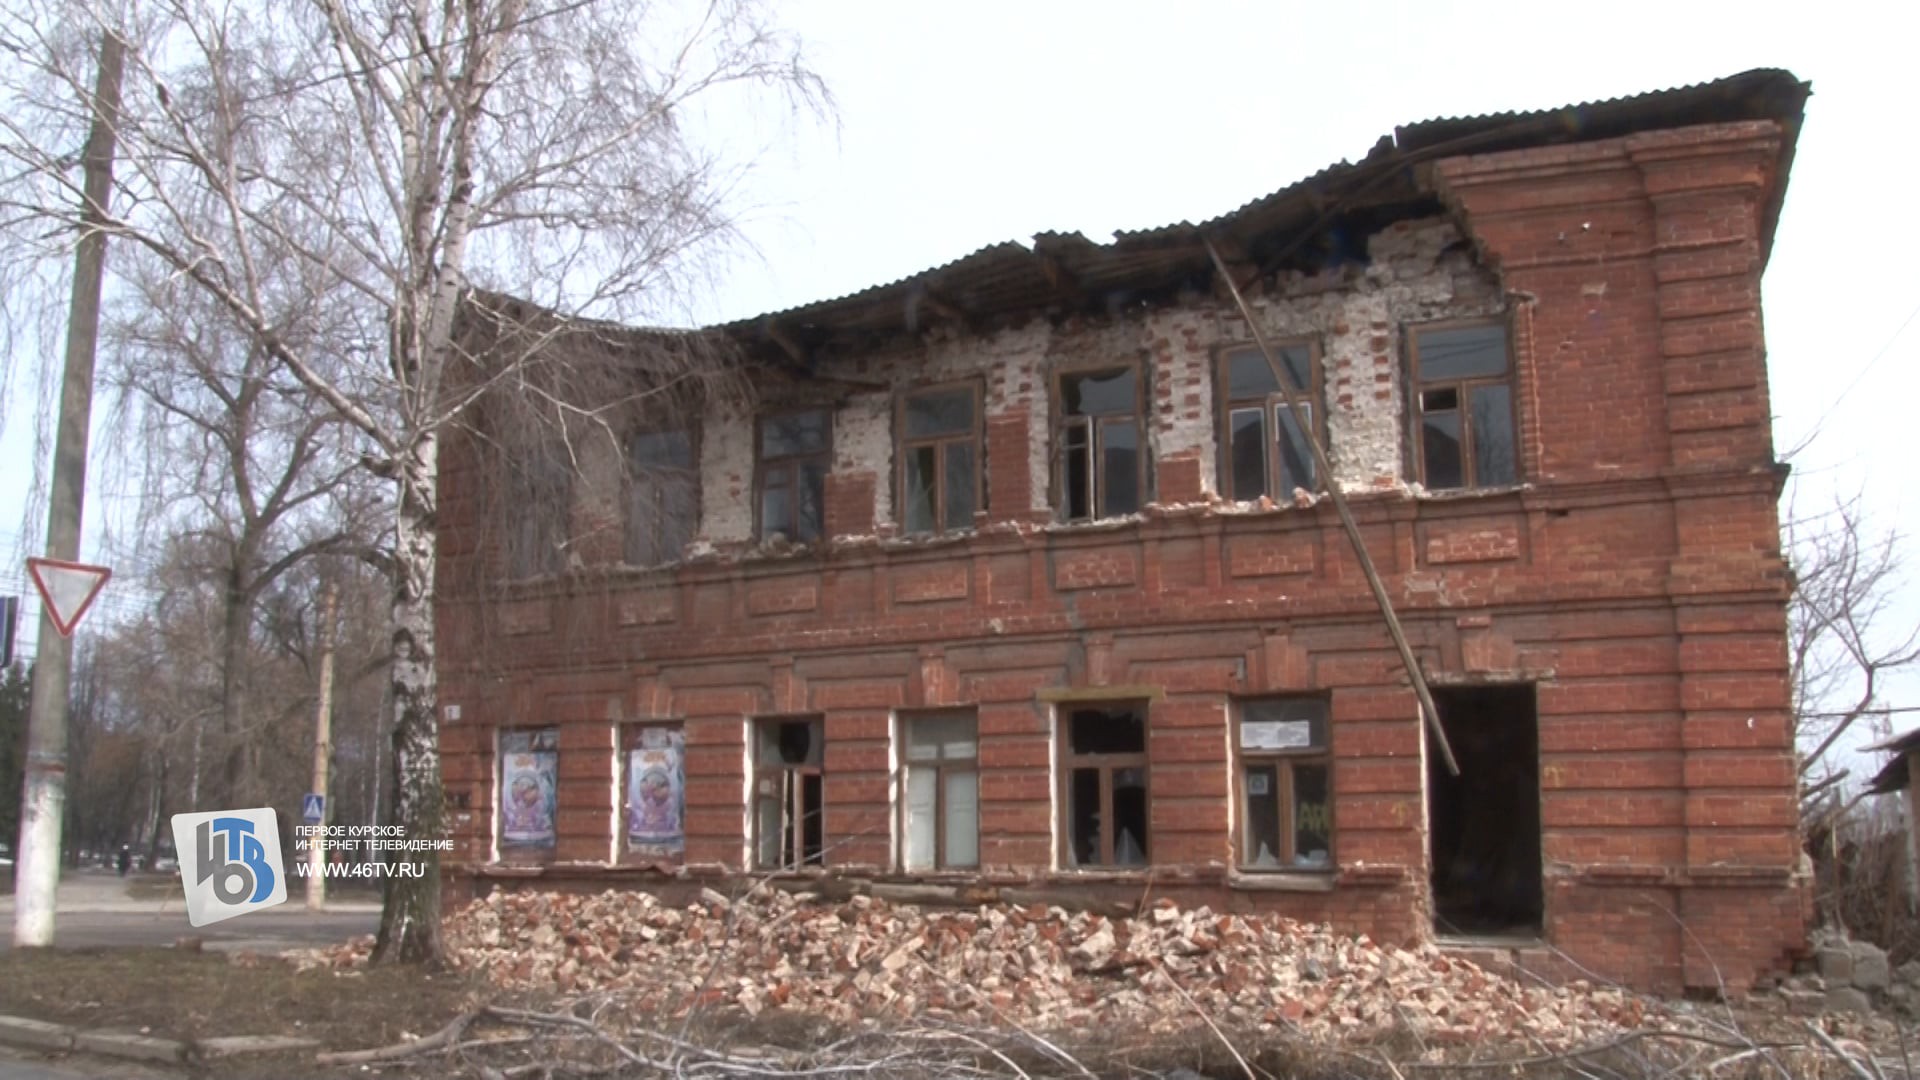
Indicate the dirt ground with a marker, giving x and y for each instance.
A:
(193, 995)
(190, 995)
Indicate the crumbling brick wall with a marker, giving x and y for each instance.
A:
(1634, 580)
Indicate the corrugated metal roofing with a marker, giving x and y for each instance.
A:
(1894, 776)
(1067, 271)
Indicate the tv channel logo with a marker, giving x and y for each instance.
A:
(229, 862)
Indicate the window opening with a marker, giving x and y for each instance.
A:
(1286, 811)
(1463, 402)
(942, 792)
(795, 454)
(940, 482)
(788, 792)
(1106, 799)
(1103, 469)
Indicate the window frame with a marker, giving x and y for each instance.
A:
(507, 852)
(693, 434)
(1107, 764)
(1312, 396)
(1096, 442)
(796, 822)
(1463, 387)
(791, 465)
(631, 732)
(1284, 762)
(942, 767)
(905, 443)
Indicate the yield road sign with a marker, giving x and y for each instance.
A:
(67, 588)
(313, 808)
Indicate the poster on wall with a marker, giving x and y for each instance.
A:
(656, 793)
(528, 774)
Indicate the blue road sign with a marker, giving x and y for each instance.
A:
(313, 808)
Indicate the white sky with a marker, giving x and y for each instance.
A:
(962, 125)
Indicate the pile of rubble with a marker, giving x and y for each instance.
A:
(1853, 977)
(1036, 967)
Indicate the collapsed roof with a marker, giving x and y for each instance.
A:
(1308, 224)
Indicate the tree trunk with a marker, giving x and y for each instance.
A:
(238, 624)
(156, 803)
(410, 917)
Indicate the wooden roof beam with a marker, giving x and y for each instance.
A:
(944, 307)
(1060, 279)
(926, 297)
(790, 345)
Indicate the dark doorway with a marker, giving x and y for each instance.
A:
(1484, 825)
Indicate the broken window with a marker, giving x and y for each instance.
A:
(1267, 453)
(940, 459)
(941, 808)
(529, 780)
(663, 496)
(795, 453)
(1463, 406)
(1103, 469)
(539, 501)
(788, 792)
(1286, 784)
(1104, 759)
(656, 791)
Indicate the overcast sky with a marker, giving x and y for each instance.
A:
(962, 125)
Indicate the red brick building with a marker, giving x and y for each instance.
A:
(1015, 581)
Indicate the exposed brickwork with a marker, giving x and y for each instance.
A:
(1635, 582)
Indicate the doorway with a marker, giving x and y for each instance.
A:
(1483, 826)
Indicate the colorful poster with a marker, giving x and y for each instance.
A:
(656, 793)
(529, 767)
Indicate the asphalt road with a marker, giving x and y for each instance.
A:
(264, 931)
(99, 909)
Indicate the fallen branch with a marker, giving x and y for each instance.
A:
(1591, 1049)
(439, 1040)
(1207, 1020)
(577, 1023)
(1853, 1063)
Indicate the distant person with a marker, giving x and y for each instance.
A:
(124, 859)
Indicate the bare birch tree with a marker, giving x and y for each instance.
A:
(398, 154)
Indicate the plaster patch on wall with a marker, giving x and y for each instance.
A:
(1419, 271)
(726, 476)
(1180, 408)
(863, 439)
(1009, 364)
(597, 531)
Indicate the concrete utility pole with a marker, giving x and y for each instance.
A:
(43, 800)
(322, 752)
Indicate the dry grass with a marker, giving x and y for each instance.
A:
(483, 1035)
(193, 995)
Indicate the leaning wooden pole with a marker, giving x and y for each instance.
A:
(1325, 468)
(44, 791)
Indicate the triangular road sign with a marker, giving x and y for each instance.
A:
(68, 589)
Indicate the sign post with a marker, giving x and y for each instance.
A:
(43, 801)
(9, 622)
